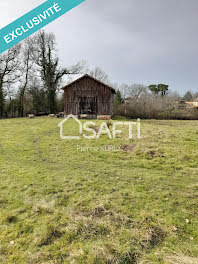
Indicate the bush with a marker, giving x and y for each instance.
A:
(156, 107)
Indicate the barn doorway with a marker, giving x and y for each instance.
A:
(87, 105)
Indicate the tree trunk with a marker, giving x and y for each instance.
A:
(52, 101)
(1, 101)
(21, 102)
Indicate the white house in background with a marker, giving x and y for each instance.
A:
(194, 103)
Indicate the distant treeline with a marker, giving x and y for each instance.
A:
(153, 102)
(31, 77)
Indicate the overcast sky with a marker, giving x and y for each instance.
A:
(134, 41)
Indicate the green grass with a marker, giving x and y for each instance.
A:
(60, 205)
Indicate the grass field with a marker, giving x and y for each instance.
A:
(136, 205)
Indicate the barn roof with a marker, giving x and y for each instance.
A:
(87, 75)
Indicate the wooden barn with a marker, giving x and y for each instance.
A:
(88, 97)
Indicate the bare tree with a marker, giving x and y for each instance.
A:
(100, 75)
(9, 74)
(136, 90)
(50, 71)
(195, 96)
(133, 91)
(27, 67)
(150, 106)
(124, 89)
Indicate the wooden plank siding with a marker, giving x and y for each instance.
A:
(87, 87)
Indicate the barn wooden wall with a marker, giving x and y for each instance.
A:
(88, 87)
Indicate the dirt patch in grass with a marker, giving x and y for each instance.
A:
(152, 154)
(90, 229)
(99, 212)
(86, 228)
(154, 236)
(130, 257)
(49, 236)
(11, 219)
(128, 148)
(96, 128)
(111, 255)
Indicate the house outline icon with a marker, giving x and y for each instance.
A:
(60, 125)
